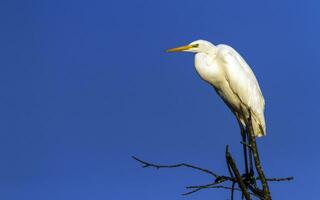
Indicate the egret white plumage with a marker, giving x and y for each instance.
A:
(232, 78)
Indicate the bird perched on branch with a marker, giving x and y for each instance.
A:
(232, 78)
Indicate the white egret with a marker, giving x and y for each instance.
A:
(232, 78)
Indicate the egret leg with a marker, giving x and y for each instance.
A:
(251, 162)
(250, 156)
(250, 153)
(244, 143)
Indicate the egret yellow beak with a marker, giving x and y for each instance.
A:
(182, 48)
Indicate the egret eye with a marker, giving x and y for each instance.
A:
(195, 45)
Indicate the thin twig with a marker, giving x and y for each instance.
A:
(216, 187)
(196, 189)
(223, 179)
(279, 179)
(146, 164)
(192, 191)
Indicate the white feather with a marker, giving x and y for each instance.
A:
(234, 81)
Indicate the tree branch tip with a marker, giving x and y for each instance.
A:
(290, 178)
(191, 192)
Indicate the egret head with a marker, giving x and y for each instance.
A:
(198, 46)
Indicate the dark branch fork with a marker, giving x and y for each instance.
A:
(246, 182)
(219, 179)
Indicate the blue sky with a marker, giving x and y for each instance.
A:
(87, 84)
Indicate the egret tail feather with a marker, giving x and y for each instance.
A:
(258, 128)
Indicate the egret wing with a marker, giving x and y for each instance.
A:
(242, 81)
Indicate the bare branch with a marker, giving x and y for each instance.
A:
(192, 191)
(232, 189)
(290, 178)
(146, 164)
(246, 182)
(254, 149)
(237, 175)
(196, 189)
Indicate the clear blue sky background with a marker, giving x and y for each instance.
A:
(87, 84)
